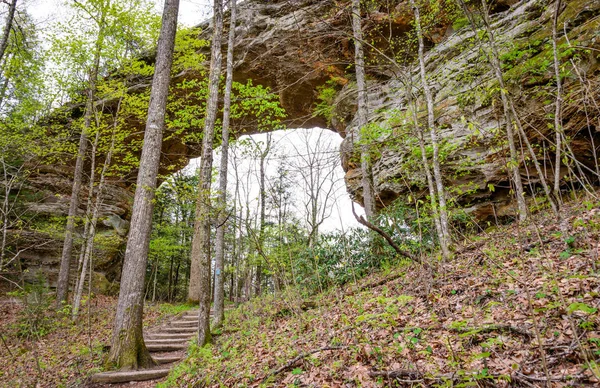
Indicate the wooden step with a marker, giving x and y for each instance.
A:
(184, 324)
(125, 376)
(180, 330)
(171, 336)
(167, 359)
(170, 346)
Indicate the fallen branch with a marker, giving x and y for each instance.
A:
(386, 236)
(490, 328)
(291, 363)
(375, 284)
(412, 376)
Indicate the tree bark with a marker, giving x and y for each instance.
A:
(514, 159)
(558, 106)
(219, 309)
(7, 27)
(201, 259)
(359, 64)
(65, 261)
(128, 350)
(437, 173)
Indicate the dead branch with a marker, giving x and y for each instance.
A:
(291, 363)
(386, 236)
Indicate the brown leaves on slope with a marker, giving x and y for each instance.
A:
(502, 308)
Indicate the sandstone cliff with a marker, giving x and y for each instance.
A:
(297, 46)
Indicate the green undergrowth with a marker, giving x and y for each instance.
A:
(512, 300)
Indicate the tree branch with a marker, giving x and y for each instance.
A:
(386, 236)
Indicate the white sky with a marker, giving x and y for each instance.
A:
(286, 146)
(193, 12)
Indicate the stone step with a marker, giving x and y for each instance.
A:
(125, 376)
(167, 359)
(165, 347)
(172, 336)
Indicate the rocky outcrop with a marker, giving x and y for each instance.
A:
(295, 47)
(298, 46)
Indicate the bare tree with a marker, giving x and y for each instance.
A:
(219, 313)
(437, 173)
(362, 115)
(316, 163)
(201, 259)
(93, 221)
(65, 261)
(558, 106)
(128, 350)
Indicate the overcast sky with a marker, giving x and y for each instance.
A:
(191, 12)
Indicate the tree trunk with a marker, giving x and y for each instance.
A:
(201, 259)
(514, 159)
(437, 173)
(365, 162)
(558, 107)
(219, 314)
(128, 350)
(65, 261)
(7, 27)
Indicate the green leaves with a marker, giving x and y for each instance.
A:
(578, 306)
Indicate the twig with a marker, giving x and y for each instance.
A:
(290, 363)
(5, 345)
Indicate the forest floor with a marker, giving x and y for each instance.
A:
(516, 306)
(42, 348)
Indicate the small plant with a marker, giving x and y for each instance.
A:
(34, 319)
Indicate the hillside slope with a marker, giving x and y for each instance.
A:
(517, 306)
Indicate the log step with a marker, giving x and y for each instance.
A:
(180, 330)
(125, 376)
(167, 359)
(166, 347)
(184, 324)
(171, 336)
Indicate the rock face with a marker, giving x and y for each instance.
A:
(296, 47)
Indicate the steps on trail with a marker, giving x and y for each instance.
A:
(171, 336)
(184, 324)
(180, 330)
(134, 375)
(167, 359)
(167, 344)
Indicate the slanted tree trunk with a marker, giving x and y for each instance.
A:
(365, 162)
(437, 173)
(65, 261)
(128, 350)
(7, 27)
(219, 310)
(514, 162)
(201, 260)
